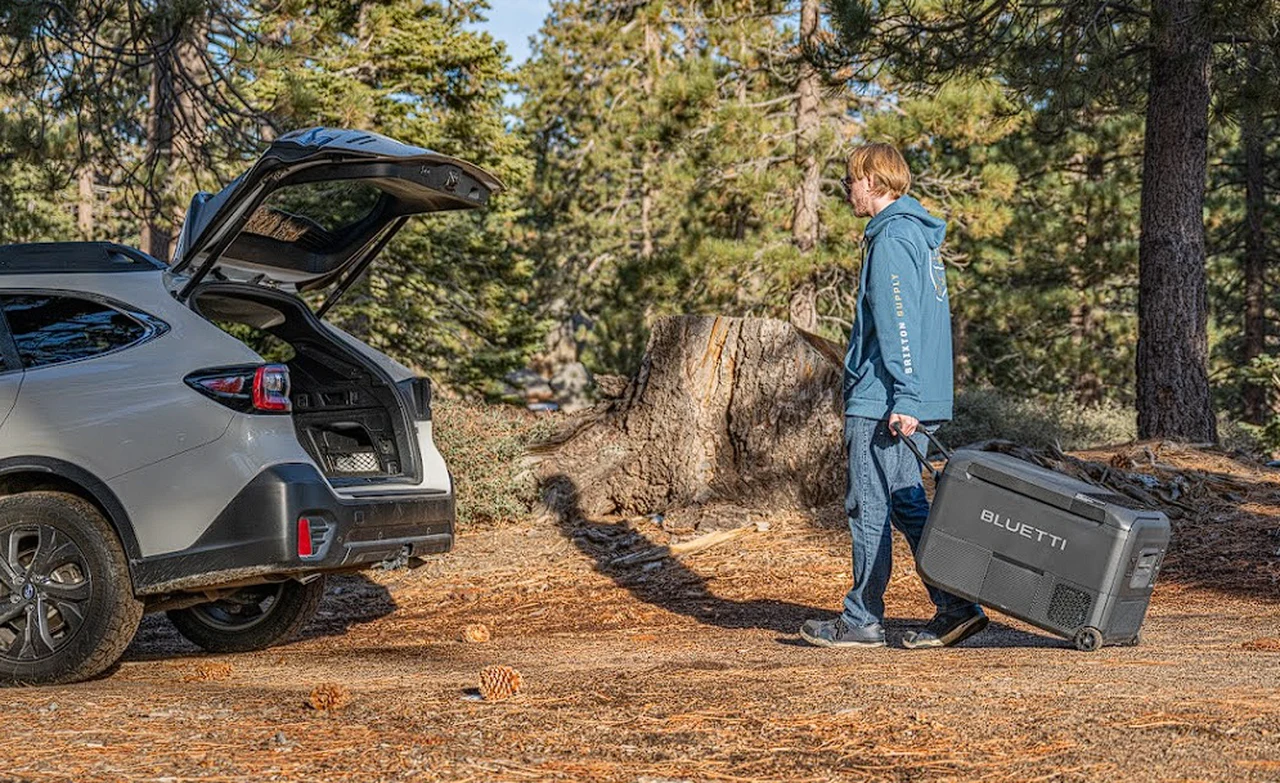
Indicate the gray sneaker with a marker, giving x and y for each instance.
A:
(836, 633)
(947, 628)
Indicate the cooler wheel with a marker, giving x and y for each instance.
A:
(1088, 639)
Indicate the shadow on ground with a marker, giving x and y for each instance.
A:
(670, 584)
(667, 583)
(349, 600)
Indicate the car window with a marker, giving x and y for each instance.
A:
(49, 329)
(310, 213)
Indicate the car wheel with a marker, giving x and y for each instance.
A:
(67, 609)
(253, 618)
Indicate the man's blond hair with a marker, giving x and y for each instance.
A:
(883, 165)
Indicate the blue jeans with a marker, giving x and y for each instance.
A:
(884, 488)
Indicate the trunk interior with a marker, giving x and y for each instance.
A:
(349, 416)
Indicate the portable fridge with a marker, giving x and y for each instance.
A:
(1047, 549)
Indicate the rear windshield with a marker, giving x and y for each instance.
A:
(314, 213)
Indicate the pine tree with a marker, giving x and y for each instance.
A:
(451, 293)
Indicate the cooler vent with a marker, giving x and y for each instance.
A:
(1069, 607)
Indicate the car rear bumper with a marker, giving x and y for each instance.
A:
(257, 535)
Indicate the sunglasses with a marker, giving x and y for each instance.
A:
(846, 182)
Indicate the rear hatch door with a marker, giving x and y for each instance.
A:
(316, 208)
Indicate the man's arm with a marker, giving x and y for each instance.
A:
(893, 289)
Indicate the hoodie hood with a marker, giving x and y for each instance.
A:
(906, 208)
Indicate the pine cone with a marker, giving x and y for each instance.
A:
(329, 697)
(499, 682)
(476, 634)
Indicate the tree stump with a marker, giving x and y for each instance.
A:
(745, 410)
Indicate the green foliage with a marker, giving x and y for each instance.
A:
(483, 445)
(34, 204)
(652, 168)
(450, 295)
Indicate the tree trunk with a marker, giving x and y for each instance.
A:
(722, 408)
(646, 151)
(1255, 241)
(1173, 384)
(804, 219)
(159, 155)
(85, 202)
(176, 129)
(1088, 386)
(804, 306)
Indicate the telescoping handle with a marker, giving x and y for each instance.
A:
(937, 474)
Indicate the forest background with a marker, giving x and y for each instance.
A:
(665, 157)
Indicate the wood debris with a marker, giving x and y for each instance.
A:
(208, 671)
(706, 541)
(475, 633)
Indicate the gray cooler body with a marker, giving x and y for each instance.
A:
(1045, 548)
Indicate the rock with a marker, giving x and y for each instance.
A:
(572, 385)
(530, 385)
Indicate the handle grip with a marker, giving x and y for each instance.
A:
(937, 474)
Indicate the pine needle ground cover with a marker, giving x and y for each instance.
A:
(688, 668)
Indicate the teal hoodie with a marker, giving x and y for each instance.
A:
(899, 357)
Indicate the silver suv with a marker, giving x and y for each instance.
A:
(151, 460)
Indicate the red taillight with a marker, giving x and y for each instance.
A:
(229, 384)
(304, 537)
(271, 388)
(261, 389)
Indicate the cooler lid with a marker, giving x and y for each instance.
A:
(1047, 486)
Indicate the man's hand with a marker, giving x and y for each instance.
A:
(907, 423)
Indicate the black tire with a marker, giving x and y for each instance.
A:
(67, 609)
(253, 618)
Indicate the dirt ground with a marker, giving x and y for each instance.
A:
(690, 670)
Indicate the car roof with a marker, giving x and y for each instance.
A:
(73, 258)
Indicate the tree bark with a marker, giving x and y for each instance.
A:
(159, 155)
(647, 153)
(1173, 385)
(804, 306)
(176, 129)
(722, 408)
(1088, 387)
(85, 202)
(1255, 241)
(804, 220)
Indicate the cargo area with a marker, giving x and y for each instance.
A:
(349, 416)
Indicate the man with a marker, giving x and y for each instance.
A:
(897, 373)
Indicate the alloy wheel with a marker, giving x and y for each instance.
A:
(45, 587)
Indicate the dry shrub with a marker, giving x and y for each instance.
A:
(986, 414)
(483, 446)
